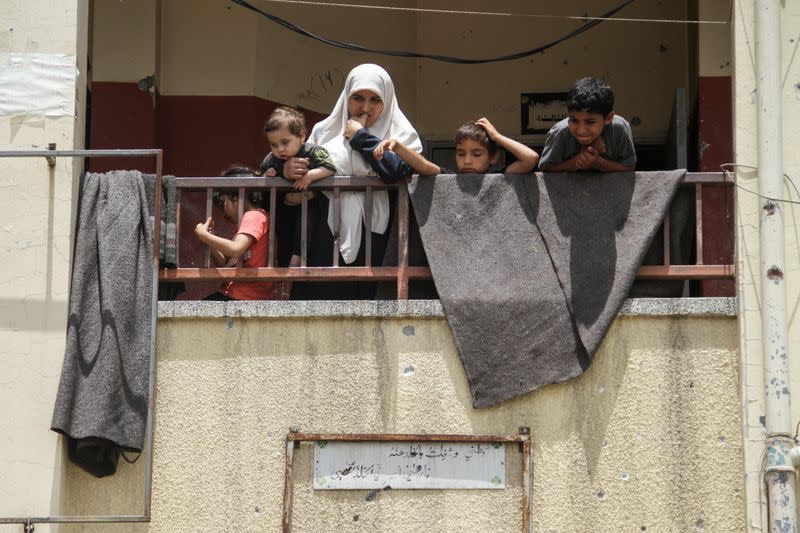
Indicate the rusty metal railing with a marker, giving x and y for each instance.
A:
(335, 185)
(401, 273)
(50, 155)
(669, 271)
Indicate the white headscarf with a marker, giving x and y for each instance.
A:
(391, 124)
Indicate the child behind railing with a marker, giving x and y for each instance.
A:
(476, 152)
(250, 242)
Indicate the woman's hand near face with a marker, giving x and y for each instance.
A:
(295, 168)
(354, 124)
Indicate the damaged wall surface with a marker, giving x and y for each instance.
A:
(647, 440)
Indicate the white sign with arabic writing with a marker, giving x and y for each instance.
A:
(409, 465)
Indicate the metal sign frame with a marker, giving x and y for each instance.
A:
(294, 438)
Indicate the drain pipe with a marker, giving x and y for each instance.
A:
(779, 471)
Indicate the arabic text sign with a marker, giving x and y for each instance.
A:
(409, 465)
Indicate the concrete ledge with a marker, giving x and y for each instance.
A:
(679, 307)
(415, 308)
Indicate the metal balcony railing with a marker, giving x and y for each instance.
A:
(401, 273)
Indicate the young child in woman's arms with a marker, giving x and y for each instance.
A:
(592, 137)
(286, 135)
(476, 152)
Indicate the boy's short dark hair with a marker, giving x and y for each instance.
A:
(473, 131)
(286, 117)
(591, 95)
(234, 171)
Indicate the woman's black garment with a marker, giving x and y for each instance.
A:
(320, 253)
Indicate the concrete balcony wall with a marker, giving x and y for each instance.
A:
(648, 439)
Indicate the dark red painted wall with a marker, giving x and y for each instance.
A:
(121, 116)
(200, 136)
(715, 134)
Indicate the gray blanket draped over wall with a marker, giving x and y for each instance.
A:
(532, 270)
(102, 395)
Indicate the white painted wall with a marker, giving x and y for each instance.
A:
(748, 212)
(35, 242)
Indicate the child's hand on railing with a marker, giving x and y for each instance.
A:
(271, 172)
(303, 183)
(586, 158)
(599, 145)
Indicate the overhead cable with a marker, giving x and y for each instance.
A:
(436, 57)
(422, 10)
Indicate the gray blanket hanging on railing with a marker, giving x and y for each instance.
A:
(102, 397)
(532, 270)
(168, 249)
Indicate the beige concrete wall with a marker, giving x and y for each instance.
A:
(748, 213)
(35, 242)
(124, 40)
(207, 48)
(714, 40)
(299, 71)
(644, 75)
(648, 438)
(213, 48)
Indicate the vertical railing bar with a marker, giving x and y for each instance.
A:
(240, 215)
(527, 483)
(698, 222)
(151, 384)
(368, 227)
(178, 228)
(402, 241)
(288, 486)
(304, 231)
(209, 192)
(272, 206)
(336, 222)
(667, 257)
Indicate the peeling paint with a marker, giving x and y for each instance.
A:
(775, 274)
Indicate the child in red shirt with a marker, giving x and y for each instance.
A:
(250, 242)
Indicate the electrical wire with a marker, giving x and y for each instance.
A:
(435, 57)
(736, 182)
(415, 10)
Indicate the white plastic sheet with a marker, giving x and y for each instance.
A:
(38, 85)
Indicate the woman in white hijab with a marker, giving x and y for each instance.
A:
(366, 113)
